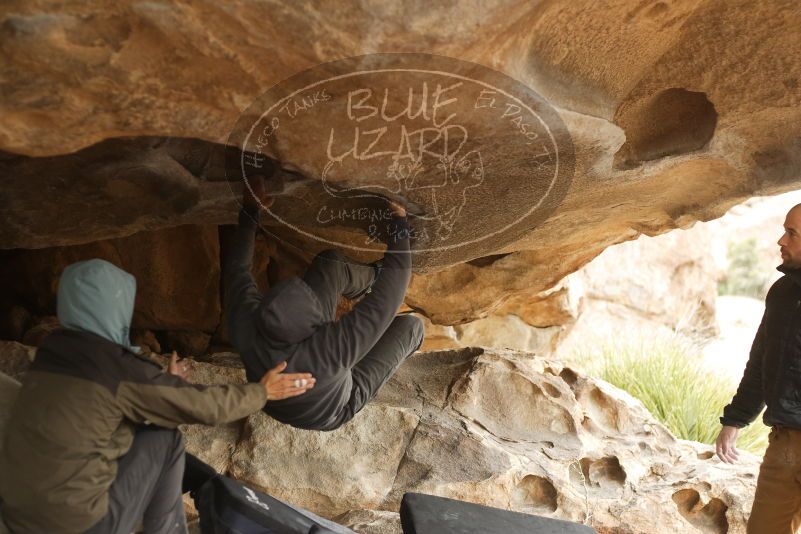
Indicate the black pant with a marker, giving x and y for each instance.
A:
(333, 274)
(148, 486)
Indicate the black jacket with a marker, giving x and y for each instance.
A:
(772, 376)
(287, 324)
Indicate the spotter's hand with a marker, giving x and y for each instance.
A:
(280, 386)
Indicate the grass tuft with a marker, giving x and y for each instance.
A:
(666, 373)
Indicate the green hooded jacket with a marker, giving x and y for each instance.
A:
(79, 404)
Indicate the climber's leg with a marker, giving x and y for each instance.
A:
(403, 337)
(333, 274)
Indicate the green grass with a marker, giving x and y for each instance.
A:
(745, 275)
(666, 374)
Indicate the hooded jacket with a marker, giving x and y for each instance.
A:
(95, 296)
(287, 323)
(79, 404)
(772, 376)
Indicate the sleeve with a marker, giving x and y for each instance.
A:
(748, 402)
(343, 342)
(166, 400)
(241, 294)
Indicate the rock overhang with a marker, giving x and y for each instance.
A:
(676, 113)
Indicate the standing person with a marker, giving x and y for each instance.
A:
(295, 321)
(772, 380)
(90, 445)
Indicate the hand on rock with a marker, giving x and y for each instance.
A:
(280, 386)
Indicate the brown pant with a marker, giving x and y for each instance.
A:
(777, 503)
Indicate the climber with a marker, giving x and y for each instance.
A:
(294, 321)
(90, 444)
(772, 378)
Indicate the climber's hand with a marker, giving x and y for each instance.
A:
(280, 386)
(396, 209)
(255, 196)
(724, 445)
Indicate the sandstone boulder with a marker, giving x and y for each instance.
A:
(15, 359)
(371, 522)
(186, 342)
(499, 428)
(177, 273)
(146, 341)
(664, 284)
(41, 328)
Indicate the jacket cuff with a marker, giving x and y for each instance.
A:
(263, 394)
(398, 230)
(725, 421)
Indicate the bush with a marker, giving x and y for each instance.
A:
(745, 276)
(667, 376)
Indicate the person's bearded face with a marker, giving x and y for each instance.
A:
(790, 242)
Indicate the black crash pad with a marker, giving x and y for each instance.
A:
(427, 514)
(227, 506)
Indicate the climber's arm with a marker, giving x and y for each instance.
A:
(240, 287)
(241, 294)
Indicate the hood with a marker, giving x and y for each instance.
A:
(289, 313)
(98, 297)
